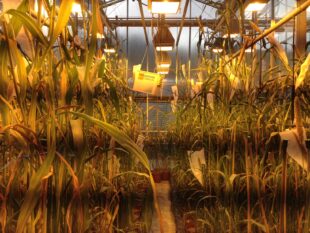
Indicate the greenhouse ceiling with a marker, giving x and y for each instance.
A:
(131, 26)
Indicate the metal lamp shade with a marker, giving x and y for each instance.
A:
(232, 28)
(109, 46)
(162, 71)
(163, 39)
(164, 6)
(163, 59)
(218, 45)
(255, 5)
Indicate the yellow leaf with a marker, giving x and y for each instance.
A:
(303, 71)
(77, 132)
(63, 17)
(63, 86)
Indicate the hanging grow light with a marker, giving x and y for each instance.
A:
(255, 5)
(163, 39)
(162, 70)
(233, 28)
(164, 6)
(109, 50)
(109, 46)
(77, 9)
(163, 60)
(248, 50)
(100, 36)
(218, 45)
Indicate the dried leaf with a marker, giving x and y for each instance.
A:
(303, 72)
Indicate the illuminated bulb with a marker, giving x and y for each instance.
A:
(256, 5)
(165, 7)
(100, 36)
(217, 50)
(164, 48)
(110, 50)
(163, 65)
(76, 8)
(234, 35)
(162, 71)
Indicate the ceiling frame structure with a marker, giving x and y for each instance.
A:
(188, 22)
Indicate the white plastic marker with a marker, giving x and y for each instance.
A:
(196, 160)
(294, 149)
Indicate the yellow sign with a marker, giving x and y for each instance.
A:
(146, 82)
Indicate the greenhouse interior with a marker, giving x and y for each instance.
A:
(154, 116)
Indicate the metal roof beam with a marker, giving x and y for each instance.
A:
(173, 22)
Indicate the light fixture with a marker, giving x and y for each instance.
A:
(218, 45)
(162, 71)
(164, 6)
(163, 60)
(100, 35)
(217, 50)
(109, 50)
(255, 5)
(233, 28)
(163, 39)
(109, 46)
(76, 9)
(248, 50)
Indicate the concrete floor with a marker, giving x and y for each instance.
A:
(163, 195)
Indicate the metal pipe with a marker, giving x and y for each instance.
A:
(143, 22)
(276, 25)
(182, 22)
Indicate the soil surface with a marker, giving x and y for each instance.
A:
(163, 196)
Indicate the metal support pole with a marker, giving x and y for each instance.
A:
(127, 31)
(278, 24)
(176, 65)
(190, 32)
(301, 32)
(272, 58)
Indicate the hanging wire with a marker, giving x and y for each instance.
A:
(145, 53)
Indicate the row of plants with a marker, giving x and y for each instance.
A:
(68, 126)
(250, 182)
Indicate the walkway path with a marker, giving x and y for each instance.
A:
(163, 196)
